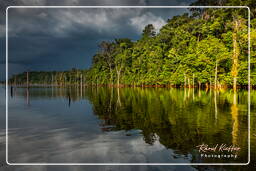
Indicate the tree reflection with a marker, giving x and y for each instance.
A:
(162, 114)
(180, 119)
(234, 113)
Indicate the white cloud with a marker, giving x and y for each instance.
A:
(139, 22)
(68, 20)
(100, 20)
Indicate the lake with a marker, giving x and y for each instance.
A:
(126, 125)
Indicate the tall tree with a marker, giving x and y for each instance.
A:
(108, 53)
(149, 31)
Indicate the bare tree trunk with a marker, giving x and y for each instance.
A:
(235, 84)
(235, 55)
(81, 80)
(81, 85)
(111, 76)
(193, 80)
(27, 80)
(185, 80)
(118, 72)
(118, 79)
(216, 76)
(52, 80)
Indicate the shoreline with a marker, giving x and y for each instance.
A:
(245, 87)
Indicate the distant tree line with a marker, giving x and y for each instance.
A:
(207, 47)
(74, 76)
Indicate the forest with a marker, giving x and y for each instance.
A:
(206, 47)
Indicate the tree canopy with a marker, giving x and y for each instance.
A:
(203, 47)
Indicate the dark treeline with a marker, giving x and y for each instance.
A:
(72, 77)
(207, 47)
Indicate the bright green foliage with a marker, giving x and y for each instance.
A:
(194, 47)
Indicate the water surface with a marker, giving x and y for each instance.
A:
(131, 125)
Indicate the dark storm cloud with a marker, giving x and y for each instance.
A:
(60, 39)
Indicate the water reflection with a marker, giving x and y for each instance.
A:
(171, 123)
(234, 113)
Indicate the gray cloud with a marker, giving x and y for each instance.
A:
(46, 39)
(62, 22)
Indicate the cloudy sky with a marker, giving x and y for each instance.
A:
(65, 38)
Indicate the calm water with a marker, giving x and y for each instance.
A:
(150, 125)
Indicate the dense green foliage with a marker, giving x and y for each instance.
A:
(206, 47)
(186, 50)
